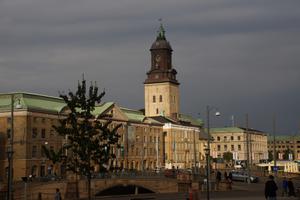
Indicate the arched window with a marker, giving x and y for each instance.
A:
(160, 98)
(153, 99)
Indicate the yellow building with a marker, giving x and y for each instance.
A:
(287, 146)
(160, 137)
(34, 116)
(234, 140)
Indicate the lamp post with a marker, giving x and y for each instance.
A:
(10, 149)
(10, 172)
(207, 150)
(207, 154)
(274, 147)
(10, 152)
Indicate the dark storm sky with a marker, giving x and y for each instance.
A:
(240, 56)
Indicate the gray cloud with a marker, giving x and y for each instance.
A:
(241, 56)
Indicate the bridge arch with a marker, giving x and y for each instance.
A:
(122, 189)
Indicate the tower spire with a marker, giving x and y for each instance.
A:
(161, 32)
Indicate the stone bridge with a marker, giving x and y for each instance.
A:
(101, 187)
(151, 185)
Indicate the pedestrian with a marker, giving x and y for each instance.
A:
(291, 187)
(284, 187)
(218, 178)
(230, 176)
(270, 188)
(225, 175)
(57, 195)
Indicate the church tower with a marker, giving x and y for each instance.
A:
(161, 87)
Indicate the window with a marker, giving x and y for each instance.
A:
(137, 138)
(232, 138)
(157, 111)
(153, 99)
(8, 132)
(51, 132)
(219, 147)
(225, 147)
(232, 147)
(218, 138)
(239, 147)
(43, 133)
(43, 120)
(225, 138)
(34, 132)
(42, 153)
(239, 137)
(160, 98)
(34, 151)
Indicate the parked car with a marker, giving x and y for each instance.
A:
(243, 176)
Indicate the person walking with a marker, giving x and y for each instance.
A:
(270, 188)
(291, 188)
(284, 187)
(57, 195)
(218, 179)
(225, 176)
(230, 176)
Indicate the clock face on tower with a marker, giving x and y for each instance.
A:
(157, 58)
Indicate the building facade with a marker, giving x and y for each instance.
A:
(140, 137)
(234, 140)
(287, 147)
(157, 138)
(184, 140)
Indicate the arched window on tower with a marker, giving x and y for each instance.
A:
(157, 111)
(160, 98)
(153, 99)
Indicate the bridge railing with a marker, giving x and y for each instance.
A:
(129, 174)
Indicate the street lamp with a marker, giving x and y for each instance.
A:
(207, 150)
(10, 149)
(9, 152)
(274, 147)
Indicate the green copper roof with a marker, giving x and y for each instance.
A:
(235, 130)
(284, 137)
(29, 101)
(226, 129)
(133, 115)
(99, 109)
(191, 120)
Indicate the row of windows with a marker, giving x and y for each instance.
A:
(226, 148)
(43, 133)
(283, 146)
(146, 152)
(34, 151)
(154, 98)
(282, 142)
(227, 138)
(145, 139)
